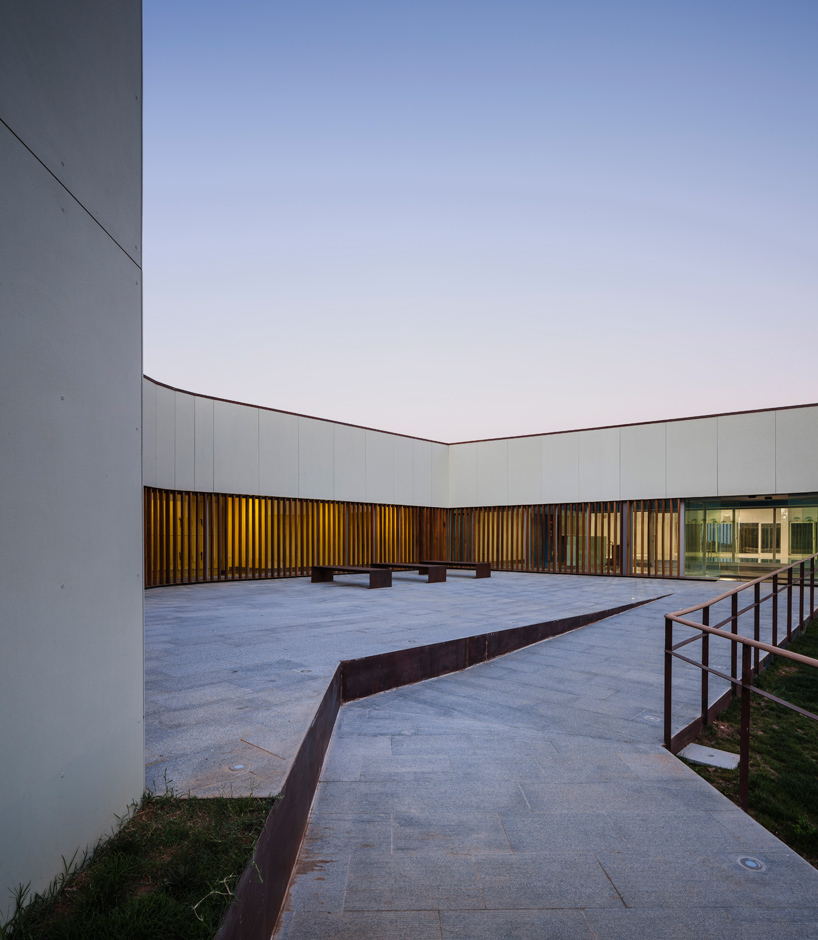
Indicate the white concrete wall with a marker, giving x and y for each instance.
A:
(764, 452)
(272, 453)
(796, 450)
(71, 668)
(198, 443)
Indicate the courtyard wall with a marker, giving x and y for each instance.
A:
(71, 627)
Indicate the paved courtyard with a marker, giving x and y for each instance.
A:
(526, 797)
(234, 672)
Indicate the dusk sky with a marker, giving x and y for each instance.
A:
(463, 220)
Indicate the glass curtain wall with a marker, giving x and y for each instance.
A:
(750, 536)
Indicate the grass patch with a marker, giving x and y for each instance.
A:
(783, 782)
(168, 872)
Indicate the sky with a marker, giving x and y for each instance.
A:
(463, 220)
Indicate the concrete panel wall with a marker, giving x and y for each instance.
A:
(404, 471)
(203, 445)
(441, 479)
(165, 445)
(599, 464)
(315, 459)
(184, 445)
(199, 443)
(422, 465)
(350, 464)
(380, 467)
(492, 473)
(692, 457)
(148, 432)
(560, 468)
(525, 470)
(796, 450)
(642, 461)
(217, 445)
(277, 454)
(71, 90)
(235, 448)
(71, 676)
(463, 475)
(747, 454)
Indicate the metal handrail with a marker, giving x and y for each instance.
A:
(742, 684)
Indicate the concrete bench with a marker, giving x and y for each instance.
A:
(481, 569)
(378, 577)
(435, 573)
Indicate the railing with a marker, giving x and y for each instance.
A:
(752, 662)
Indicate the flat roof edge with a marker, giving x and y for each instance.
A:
(295, 414)
(484, 440)
(634, 424)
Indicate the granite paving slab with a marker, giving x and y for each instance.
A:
(540, 808)
(250, 661)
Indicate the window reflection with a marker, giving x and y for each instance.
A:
(748, 537)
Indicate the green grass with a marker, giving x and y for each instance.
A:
(168, 873)
(783, 783)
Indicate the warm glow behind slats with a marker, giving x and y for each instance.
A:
(193, 537)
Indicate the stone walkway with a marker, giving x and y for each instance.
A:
(234, 672)
(529, 797)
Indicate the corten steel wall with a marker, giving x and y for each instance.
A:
(71, 673)
(192, 537)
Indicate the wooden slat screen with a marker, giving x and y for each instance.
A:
(192, 537)
(603, 538)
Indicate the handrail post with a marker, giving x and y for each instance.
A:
(775, 610)
(668, 678)
(756, 623)
(734, 645)
(801, 575)
(812, 587)
(744, 750)
(789, 604)
(705, 663)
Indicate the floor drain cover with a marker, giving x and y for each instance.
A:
(753, 864)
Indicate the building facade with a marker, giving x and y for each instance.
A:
(235, 491)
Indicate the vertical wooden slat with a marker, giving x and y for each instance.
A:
(192, 533)
(680, 560)
(191, 537)
(280, 530)
(163, 542)
(147, 547)
(291, 510)
(168, 537)
(660, 514)
(246, 510)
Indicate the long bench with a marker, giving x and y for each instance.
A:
(481, 569)
(435, 573)
(378, 577)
